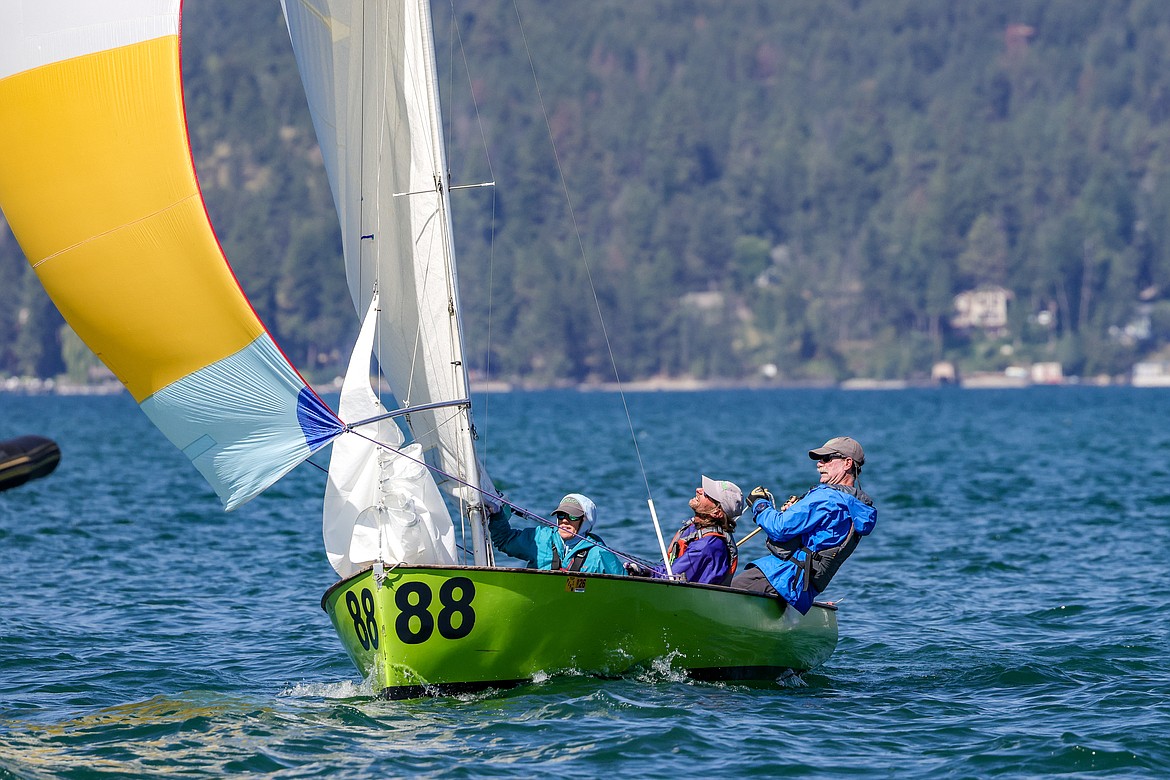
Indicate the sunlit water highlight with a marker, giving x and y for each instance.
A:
(1006, 617)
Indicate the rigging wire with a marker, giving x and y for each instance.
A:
(522, 511)
(592, 286)
(491, 265)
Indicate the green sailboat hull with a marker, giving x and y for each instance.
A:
(442, 629)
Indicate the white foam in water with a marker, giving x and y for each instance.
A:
(662, 669)
(346, 689)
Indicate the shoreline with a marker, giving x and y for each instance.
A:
(33, 386)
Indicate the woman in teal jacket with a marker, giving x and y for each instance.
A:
(571, 546)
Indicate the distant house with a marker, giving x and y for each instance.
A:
(1151, 374)
(1048, 373)
(985, 308)
(943, 373)
(711, 300)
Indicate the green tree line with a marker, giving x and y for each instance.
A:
(806, 185)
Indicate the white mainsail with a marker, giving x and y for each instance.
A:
(369, 75)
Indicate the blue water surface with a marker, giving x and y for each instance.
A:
(1005, 618)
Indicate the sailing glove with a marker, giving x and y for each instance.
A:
(637, 570)
(758, 493)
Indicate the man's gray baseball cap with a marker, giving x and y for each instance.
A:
(840, 445)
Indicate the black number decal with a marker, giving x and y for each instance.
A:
(365, 625)
(453, 606)
(371, 622)
(414, 600)
(417, 609)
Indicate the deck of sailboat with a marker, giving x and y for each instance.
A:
(546, 573)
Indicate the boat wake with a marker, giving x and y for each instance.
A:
(345, 689)
(662, 669)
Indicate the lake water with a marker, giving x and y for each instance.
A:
(1007, 616)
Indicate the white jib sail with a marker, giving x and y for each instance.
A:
(369, 75)
(380, 504)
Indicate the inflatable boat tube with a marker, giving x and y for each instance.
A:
(25, 458)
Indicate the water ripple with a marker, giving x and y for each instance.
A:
(1007, 618)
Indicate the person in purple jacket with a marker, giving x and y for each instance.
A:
(703, 550)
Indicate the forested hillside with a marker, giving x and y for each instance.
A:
(753, 182)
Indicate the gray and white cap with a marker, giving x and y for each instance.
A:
(726, 494)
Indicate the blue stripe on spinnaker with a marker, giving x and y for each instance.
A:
(244, 421)
(317, 420)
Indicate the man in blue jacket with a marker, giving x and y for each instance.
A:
(811, 537)
(571, 546)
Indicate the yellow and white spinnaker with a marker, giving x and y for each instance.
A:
(98, 185)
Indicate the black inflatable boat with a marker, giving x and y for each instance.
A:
(25, 458)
